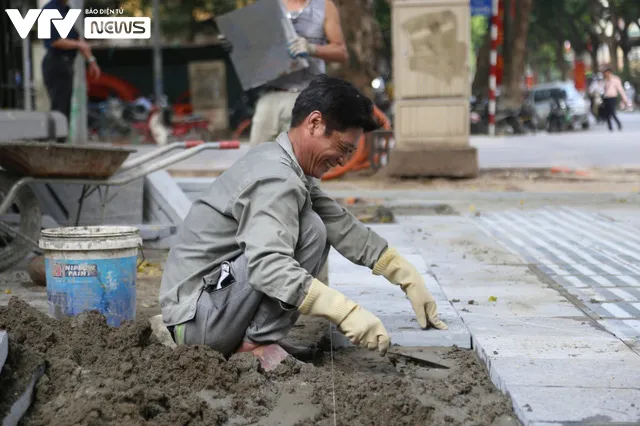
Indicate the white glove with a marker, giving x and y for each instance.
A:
(301, 47)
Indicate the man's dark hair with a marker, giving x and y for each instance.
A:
(608, 70)
(342, 105)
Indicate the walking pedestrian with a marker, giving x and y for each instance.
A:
(612, 88)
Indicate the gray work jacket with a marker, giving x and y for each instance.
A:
(253, 207)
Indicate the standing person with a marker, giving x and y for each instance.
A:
(320, 39)
(612, 88)
(58, 62)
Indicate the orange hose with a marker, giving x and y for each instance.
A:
(244, 124)
(360, 159)
(125, 90)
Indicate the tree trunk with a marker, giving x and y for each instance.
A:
(626, 70)
(507, 42)
(595, 67)
(364, 42)
(595, 45)
(612, 44)
(513, 81)
(561, 62)
(480, 86)
(625, 45)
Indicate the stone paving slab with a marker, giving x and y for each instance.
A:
(625, 330)
(545, 352)
(456, 231)
(517, 290)
(567, 372)
(359, 284)
(574, 404)
(591, 256)
(551, 339)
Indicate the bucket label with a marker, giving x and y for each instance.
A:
(60, 270)
(105, 285)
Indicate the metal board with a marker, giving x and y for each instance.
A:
(259, 34)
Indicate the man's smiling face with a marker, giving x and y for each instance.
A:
(325, 151)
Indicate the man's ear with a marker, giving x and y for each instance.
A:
(316, 123)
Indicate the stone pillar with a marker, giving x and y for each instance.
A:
(431, 42)
(208, 88)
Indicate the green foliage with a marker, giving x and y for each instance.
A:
(178, 18)
(629, 10)
(382, 12)
(554, 21)
(479, 30)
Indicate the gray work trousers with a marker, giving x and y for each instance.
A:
(236, 313)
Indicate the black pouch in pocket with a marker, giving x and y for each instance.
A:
(219, 279)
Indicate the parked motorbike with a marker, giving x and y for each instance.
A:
(507, 119)
(112, 119)
(528, 117)
(559, 118)
(161, 128)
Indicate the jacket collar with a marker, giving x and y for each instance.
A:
(285, 143)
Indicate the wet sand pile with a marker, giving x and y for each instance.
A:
(97, 375)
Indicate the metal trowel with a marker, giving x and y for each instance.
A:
(418, 356)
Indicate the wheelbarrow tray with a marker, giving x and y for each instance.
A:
(53, 160)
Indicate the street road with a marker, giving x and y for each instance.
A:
(596, 147)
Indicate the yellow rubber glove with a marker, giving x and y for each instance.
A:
(359, 325)
(399, 271)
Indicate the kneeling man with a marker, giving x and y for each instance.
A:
(244, 266)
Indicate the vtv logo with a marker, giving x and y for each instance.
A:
(44, 17)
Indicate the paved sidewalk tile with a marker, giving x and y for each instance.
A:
(552, 338)
(389, 302)
(517, 291)
(593, 257)
(567, 372)
(580, 405)
(555, 361)
(457, 232)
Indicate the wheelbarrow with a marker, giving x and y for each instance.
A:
(95, 167)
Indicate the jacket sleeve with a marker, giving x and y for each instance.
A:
(350, 237)
(267, 212)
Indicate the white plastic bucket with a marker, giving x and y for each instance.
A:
(92, 268)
